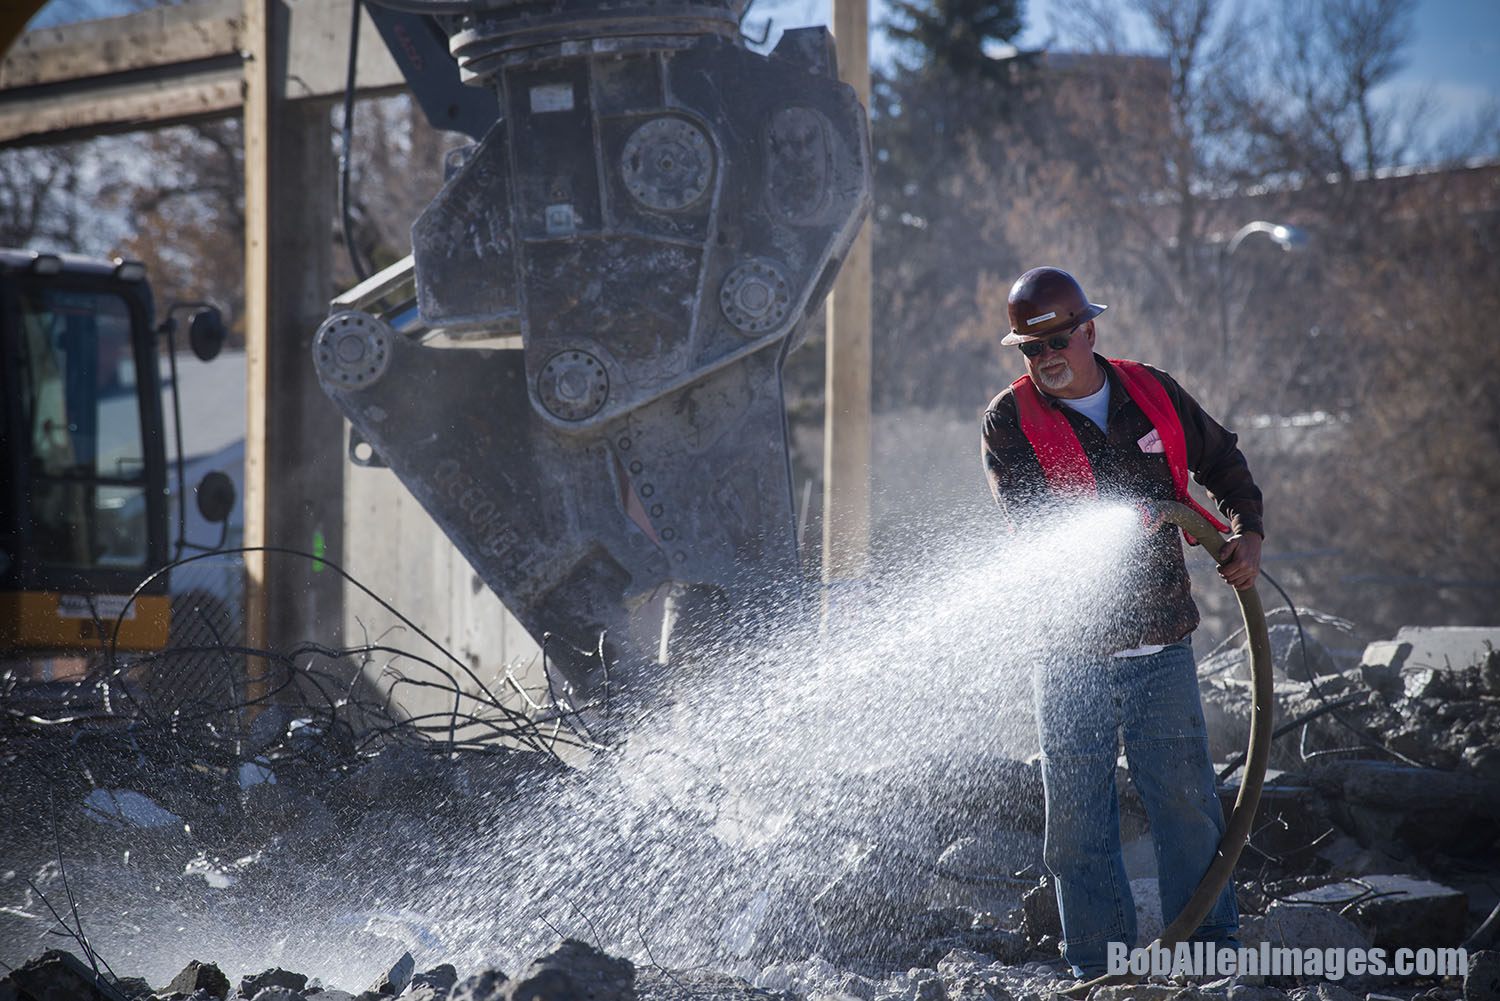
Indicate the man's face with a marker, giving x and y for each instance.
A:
(1067, 373)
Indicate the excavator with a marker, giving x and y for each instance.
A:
(86, 482)
(84, 472)
(578, 370)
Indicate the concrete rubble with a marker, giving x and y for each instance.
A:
(577, 971)
(1355, 847)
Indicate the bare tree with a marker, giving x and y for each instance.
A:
(396, 168)
(41, 198)
(1314, 109)
(1365, 38)
(188, 224)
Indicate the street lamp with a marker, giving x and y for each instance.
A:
(1291, 239)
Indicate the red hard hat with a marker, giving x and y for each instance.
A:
(1044, 301)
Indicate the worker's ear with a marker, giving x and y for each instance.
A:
(1089, 333)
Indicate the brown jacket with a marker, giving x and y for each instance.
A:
(1152, 602)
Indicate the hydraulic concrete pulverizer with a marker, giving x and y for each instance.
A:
(588, 399)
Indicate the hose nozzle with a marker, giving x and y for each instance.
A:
(1196, 527)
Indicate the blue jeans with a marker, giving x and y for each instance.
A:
(1083, 706)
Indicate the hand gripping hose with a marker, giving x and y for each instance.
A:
(1243, 815)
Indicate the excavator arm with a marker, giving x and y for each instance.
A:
(588, 400)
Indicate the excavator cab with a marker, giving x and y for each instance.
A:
(83, 486)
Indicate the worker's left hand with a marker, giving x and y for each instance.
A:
(1240, 558)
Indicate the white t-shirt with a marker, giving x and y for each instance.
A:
(1094, 406)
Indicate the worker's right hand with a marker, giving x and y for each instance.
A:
(1240, 560)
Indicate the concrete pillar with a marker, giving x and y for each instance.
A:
(294, 435)
(846, 427)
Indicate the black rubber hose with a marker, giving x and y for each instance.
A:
(1241, 819)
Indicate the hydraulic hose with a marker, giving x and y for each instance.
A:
(1237, 830)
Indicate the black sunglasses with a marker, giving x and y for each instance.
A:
(1057, 342)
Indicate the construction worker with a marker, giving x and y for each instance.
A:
(1076, 426)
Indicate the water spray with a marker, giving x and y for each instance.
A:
(1237, 830)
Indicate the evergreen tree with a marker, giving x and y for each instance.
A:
(952, 36)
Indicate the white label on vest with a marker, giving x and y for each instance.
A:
(1151, 442)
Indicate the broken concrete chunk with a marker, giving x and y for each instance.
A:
(432, 985)
(857, 986)
(1143, 992)
(268, 726)
(1422, 808)
(1307, 926)
(692, 985)
(1007, 946)
(1226, 709)
(1295, 653)
(780, 977)
(1243, 991)
(878, 897)
(198, 976)
(976, 988)
(974, 872)
(961, 962)
(1324, 992)
(56, 975)
(574, 971)
(276, 994)
(395, 979)
(1428, 683)
(1449, 647)
(441, 977)
(256, 772)
(1401, 911)
(926, 985)
(275, 977)
(133, 987)
(1482, 983)
(1381, 665)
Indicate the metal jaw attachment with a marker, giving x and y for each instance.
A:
(620, 268)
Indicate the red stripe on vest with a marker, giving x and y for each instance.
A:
(1066, 468)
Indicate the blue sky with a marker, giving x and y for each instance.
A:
(1456, 50)
(1454, 56)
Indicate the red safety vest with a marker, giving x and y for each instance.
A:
(1066, 468)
